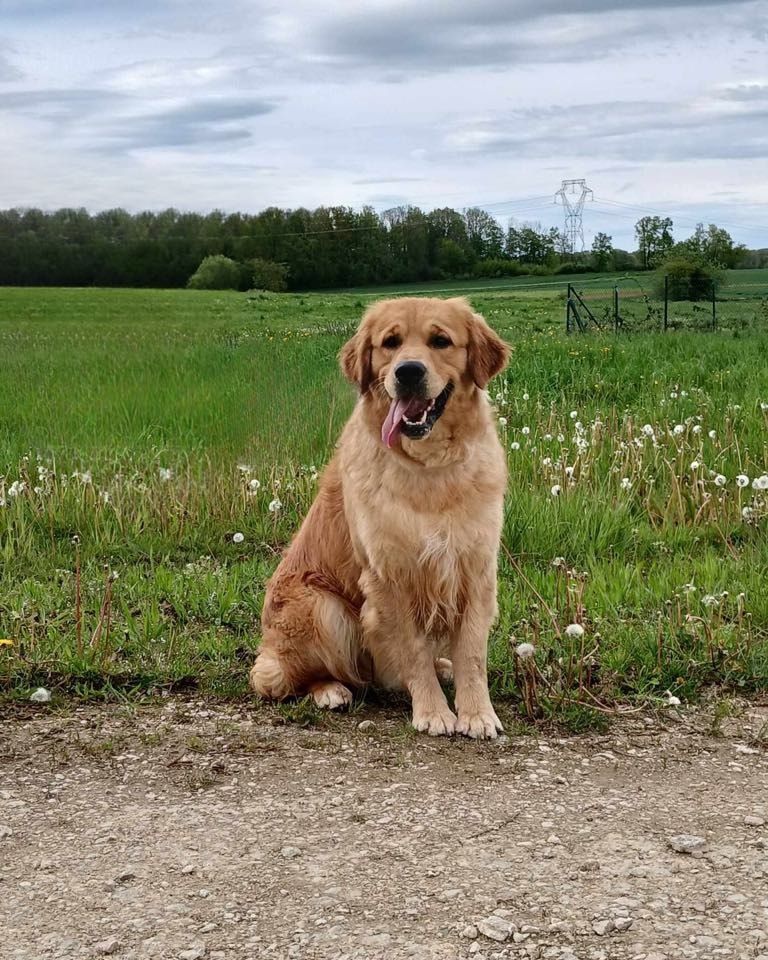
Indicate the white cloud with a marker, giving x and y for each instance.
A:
(660, 103)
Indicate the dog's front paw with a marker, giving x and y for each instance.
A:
(481, 725)
(437, 723)
(331, 695)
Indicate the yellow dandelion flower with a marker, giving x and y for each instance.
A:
(5, 643)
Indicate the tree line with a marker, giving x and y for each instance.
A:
(328, 247)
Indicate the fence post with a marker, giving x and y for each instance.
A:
(666, 301)
(616, 309)
(568, 310)
(714, 307)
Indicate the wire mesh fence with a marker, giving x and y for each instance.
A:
(665, 304)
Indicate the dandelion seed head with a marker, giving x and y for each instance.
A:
(648, 430)
(679, 429)
(712, 434)
(695, 465)
(626, 483)
(560, 438)
(720, 480)
(165, 473)
(514, 445)
(574, 630)
(275, 506)
(502, 421)
(760, 483)
(526, 397)
(696, 429)
(525, 431)
(556, 489)
(237, 538)
(525, 651)
(573, 414)
(742, 480)
(254, 485)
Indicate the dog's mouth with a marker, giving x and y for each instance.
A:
(414, 417)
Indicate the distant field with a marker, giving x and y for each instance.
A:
(749, 282)
(141, 429)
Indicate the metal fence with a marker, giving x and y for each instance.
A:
(665, 304)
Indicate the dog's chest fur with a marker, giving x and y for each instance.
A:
(424, 533)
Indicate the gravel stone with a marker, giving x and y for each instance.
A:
(688, 843)
(496, 928)
(107, 947)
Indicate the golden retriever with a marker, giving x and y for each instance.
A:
(395, 563)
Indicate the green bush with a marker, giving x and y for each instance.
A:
(216, 273)
(268, 275)
(689, 279)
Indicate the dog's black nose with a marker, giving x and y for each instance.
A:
(410, 373)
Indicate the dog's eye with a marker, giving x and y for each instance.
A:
(392, 342)
(439, 341)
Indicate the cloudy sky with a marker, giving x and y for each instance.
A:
(662, 105)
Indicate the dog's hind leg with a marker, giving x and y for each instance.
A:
(310, 645)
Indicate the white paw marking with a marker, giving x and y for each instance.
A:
(441, 723)
(483, 725)
(332, 695)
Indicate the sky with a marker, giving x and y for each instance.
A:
(661, 105)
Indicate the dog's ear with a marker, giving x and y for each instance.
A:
(355, 360)
(487, 354)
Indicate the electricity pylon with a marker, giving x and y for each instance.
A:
(573, 194)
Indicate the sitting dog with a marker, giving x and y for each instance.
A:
(395, 563)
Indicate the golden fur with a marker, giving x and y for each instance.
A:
(395, 562)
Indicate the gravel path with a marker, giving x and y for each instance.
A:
(195, 830)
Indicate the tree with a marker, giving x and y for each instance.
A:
(687, 279)
(216, 273)
(713, 246)
(602, 251)
(485, 234)
(654, 240)
(268, 275)
(451, 257)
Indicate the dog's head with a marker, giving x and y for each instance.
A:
(419, 360)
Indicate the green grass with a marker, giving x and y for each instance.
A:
(106, 390)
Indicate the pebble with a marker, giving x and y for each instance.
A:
(754, 821)
(41, 695)
(622, 923)
(188, 868)
(195, 953)
(366, 726)
(469, 932)
(290, 853)
(108, 946)
(5, 831)
(603, 927)
(496, 928)
(688, 843)
(125, 876)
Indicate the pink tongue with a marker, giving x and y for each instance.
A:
(390, 430)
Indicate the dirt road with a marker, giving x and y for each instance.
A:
(193, 830)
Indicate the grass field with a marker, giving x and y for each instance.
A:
(141, 430)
